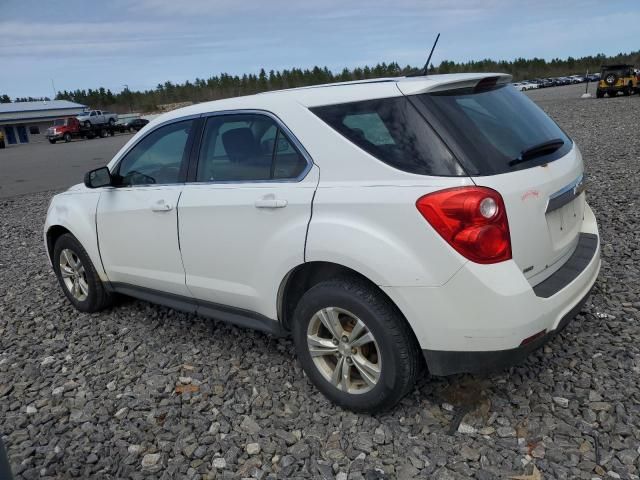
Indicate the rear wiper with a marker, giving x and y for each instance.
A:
(538, 150)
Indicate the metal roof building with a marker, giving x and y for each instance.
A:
(24, 122)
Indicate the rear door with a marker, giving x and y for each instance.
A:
(507, 143)
(243, 218)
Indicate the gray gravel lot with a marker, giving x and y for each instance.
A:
(142, 391)
(41, 166)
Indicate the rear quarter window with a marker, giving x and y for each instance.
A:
(394, 132)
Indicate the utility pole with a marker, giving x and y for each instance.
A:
(126, 87)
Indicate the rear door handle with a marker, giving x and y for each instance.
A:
(161, 206)
(270, 203)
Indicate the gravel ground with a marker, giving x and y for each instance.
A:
(142, 391)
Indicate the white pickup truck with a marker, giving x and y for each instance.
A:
(97, 117)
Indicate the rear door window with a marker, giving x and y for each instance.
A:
(493, 127)
(393, 131)
(246, 148)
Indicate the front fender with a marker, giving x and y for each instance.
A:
(75, 211)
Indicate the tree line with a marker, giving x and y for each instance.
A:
(226, 85)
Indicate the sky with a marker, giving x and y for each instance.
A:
(88, 44)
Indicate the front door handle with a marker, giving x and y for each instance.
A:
(161, 206)
(270, 203)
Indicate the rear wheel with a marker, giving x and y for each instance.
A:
(87, 124)
(629, 89)
(67, 137)
(599, 93)
(355, 346)
(112, 122)
(77, 275)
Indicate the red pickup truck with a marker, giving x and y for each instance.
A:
(69, 127)
(63, 129)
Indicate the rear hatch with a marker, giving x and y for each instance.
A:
(506, 142)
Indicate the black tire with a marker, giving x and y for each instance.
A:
(628, 90)
(103, 133)
(112, 122)
(97, 297)
(52, 141)
(87, 124)
(613, 93)
(399, 354)
(67, 137)
(599, 93)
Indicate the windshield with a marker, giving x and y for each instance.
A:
(494, 127)
(59, 122)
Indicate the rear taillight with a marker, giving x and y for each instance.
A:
(472, 220)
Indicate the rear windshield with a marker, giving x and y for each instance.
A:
(394, 132)
(492, 128)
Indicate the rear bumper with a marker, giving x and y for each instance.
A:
(477, 321)
(450, 362)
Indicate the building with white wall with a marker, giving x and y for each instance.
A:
(25, 122)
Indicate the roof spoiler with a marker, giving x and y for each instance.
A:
(434, 84)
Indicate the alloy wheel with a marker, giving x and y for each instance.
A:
(344, 350)
(74, 275)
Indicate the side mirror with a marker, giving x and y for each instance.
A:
(100, 177)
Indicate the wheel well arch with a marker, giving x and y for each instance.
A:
(305, 276)
(53, 233)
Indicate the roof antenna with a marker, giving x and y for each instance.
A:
(425, 70)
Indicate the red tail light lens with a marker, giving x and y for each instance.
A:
(472, 220)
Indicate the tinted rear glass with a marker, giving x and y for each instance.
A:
(394, 132)
(493, 127)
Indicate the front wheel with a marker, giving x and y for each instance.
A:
(52, 141)
(77, 276)
(355, 346)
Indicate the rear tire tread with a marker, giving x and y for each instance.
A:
(402, 339)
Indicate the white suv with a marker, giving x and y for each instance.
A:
(381, 223)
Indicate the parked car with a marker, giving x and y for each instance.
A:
(97, 117)
(617, 78)
(520, 86)
(445, 228)
(544, 82)
(135, 124)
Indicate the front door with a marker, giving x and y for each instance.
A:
(243, 222)
(22, 134)
(137, 220)
(11, 135)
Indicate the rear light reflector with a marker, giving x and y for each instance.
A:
(533, 337)
(473, 220)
